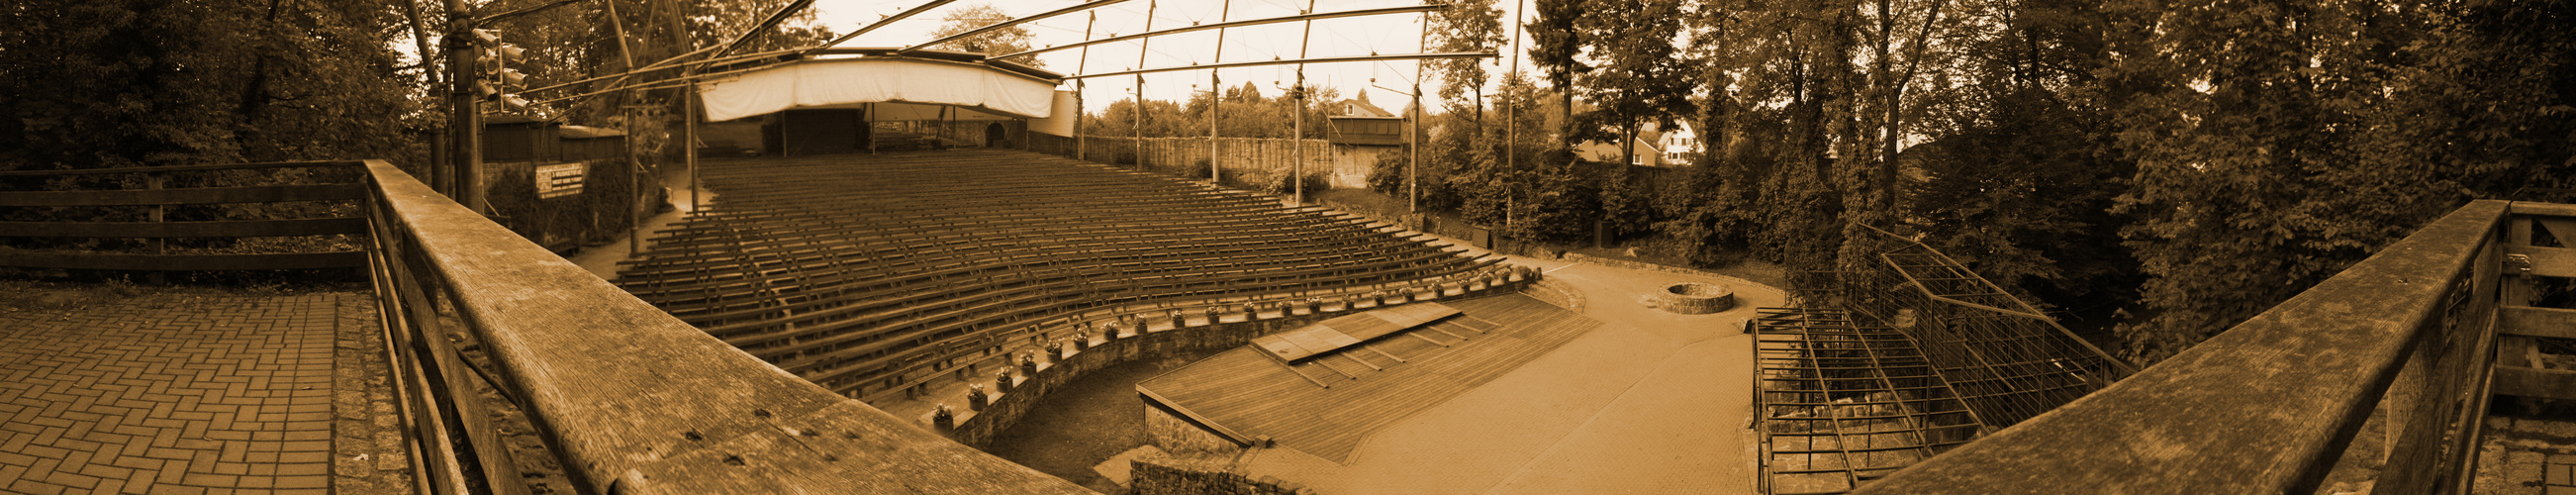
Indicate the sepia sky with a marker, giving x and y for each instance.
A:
(1387, 34)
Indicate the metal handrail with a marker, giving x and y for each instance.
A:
(2270, 405)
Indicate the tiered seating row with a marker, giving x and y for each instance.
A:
(872, 274)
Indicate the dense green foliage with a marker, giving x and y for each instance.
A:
(2193, 163)
(1006, 40)
(2278, 142)
(124, 84)
(1243, 113)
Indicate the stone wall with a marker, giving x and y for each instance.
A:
(976, 428)
(1156, 478)
(1175, 434)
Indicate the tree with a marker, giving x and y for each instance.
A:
(106, 85)
(2019, 171)
(2279, 142)
(1466, 26)
(1012, 39)
(1636, 79)
(1556, 48)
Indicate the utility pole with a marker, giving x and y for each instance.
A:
(466, 126)
(689, 137)
(1413, 165)
(634, 169)
(1511, 114)
(1081, 144)
(1216, 94)
(1297, 171)
(1143, 46)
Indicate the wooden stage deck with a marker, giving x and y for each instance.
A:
(1325, 405)
(1330, 336)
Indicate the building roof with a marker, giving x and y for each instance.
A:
(1357, 108)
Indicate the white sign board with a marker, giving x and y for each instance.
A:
(561, 179)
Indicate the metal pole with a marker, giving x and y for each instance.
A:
(1216, 95)
(1511, 115)
(1297, 170)
(689, 140)
(1082, 144)
(1413, 164)
(1142, 47)
(635, 185)
(634, 169)
(467, 124)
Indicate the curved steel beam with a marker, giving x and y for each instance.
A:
(1014, 22)
(1253, 22)
(1317, 60)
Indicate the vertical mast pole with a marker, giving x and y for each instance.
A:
(467, 125)
(1511, 112)
(1081, 145)
(1216, 95)
(1413, 166)
(1297, 170)
(1143, 46)
(625, 109)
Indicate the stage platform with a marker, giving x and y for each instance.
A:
(1325, 404)
(1332, 335)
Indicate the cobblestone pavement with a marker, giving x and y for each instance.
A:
(176, 393)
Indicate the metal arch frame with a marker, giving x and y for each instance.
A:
(1235, 24)
(1315, 60)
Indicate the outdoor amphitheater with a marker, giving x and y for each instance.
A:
(1128, 330)
(963, 290)
(750, 247)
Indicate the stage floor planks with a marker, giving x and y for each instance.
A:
(1341, 398)
(1332, 335)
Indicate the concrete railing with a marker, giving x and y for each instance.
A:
(628, 398)
(2270, 405)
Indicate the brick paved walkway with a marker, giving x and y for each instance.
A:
(170, 394)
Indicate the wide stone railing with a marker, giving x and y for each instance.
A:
(2270, 405)
(628, 398)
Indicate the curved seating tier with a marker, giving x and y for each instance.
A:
(873, 274)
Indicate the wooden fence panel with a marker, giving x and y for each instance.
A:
(186, 196)
(220, 228)
(159, 199)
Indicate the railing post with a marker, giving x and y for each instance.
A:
(159, 245)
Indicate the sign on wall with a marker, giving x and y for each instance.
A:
(561, 179)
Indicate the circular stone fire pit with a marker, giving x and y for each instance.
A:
(1693, 298)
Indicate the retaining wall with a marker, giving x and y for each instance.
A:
(1004, 407)
(1156, 478)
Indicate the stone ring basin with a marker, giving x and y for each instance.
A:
(1693, 298)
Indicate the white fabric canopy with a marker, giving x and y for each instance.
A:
(837, 82)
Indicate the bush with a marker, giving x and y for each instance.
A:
(1198, 169)
(598, 213)
(1387, 173)
(1316, 183)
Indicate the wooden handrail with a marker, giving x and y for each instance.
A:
(2266, 407)
(640, 402)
